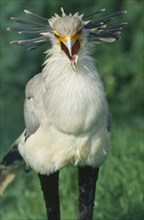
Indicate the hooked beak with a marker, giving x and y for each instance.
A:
(71, 48)
(69, 44)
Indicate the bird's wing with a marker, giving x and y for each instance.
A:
(13, 162)
(33, 107)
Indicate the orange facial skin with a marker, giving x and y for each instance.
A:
(73, 38)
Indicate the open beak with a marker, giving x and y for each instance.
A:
(69, 44)
(71, 48)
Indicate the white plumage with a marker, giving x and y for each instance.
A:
(71, 115)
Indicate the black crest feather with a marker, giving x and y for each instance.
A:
(39, 26)
(100, 32)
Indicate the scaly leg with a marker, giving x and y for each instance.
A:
(49, 186)
(87, 185)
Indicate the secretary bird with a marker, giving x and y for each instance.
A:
(67, 118)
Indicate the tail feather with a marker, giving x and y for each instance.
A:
(11, 164)
(8, 173)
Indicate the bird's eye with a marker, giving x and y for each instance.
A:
(56, 35)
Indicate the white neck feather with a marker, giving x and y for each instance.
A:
(57, 63)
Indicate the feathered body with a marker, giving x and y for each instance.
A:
(72, 115)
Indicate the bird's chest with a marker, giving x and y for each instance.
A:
(72, 106)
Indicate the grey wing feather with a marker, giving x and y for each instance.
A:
(33, 104)
(31, 119)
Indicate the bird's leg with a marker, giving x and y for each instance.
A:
(87, 185)
(49, 186)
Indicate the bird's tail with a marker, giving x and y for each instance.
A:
(11, 164)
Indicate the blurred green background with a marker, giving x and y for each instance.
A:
(120, 187)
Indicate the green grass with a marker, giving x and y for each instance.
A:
(119, 189)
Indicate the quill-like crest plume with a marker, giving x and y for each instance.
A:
(42, 28)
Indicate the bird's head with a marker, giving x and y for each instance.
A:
(69, 32)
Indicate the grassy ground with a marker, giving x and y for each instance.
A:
(119, 190)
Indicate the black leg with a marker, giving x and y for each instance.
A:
(49, 186)
(87, 185)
